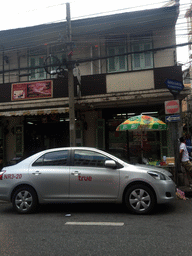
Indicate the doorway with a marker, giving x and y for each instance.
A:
(44, 132)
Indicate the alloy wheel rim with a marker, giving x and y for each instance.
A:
(140, 200)
(23, 200)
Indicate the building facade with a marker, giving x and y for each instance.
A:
(123, 59)
(187, 103)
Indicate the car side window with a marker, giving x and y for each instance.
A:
(39, 161)
(89, 158)
(56, 158)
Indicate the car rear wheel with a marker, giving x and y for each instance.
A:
(140, 199)
(25, 200)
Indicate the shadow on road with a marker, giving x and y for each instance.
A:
(87, 208)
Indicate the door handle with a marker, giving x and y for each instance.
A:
(75, 173)
(36, 173)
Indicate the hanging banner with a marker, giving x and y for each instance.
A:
(32, 90)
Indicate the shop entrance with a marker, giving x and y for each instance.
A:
(44, 132)
(127, 144)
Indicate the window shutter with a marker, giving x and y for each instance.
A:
(117, 63)
(111, 61)
(41, 71)
(100, 134)
(142, 60)
(32, 64)
(122, 59)
(148, 56)
(136, 57)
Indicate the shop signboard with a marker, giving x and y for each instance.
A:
(32, 90)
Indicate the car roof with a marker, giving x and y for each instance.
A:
(35, 156)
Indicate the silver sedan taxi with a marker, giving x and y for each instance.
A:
(81, 174)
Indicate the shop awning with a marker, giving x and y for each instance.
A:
(35, 112)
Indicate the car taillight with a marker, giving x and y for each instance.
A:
(1, 174)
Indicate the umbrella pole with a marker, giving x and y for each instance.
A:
(141, 146)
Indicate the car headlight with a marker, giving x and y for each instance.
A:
(158, 175)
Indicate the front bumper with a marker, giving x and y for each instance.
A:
(166, 192)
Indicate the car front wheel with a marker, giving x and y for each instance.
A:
(25, 200)
(140, 199)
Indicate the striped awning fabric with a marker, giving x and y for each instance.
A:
(35, 112)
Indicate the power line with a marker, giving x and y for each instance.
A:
(135, 52)
(95, 14)
(119, 10)
(55, 40)
(78, 61)
(46, 33)
(115, 11)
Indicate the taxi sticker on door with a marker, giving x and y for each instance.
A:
(85, 178)
(12, 176)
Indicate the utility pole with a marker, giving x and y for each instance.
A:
(176, 148)
(175, 87)
(72, 131)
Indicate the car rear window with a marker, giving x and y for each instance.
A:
(56, 158)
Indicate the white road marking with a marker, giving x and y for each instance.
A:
(96, 223)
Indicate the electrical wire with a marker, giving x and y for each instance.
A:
(95, 14)
(56, 24)
(97, 58)
(119, 10)
(54, 40)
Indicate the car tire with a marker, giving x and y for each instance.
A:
(25, 200)
(140, 199)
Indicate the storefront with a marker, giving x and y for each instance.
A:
(132, 144)
(23, 133)
(26, 132)
(44, 132)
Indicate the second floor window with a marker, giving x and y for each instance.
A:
(117, 63)
(142, 60)
(37, 74)
(40, 73)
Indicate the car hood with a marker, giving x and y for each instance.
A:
(153, 168)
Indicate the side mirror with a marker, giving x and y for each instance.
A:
(110, 164)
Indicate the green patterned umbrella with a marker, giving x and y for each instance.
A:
(142, 123)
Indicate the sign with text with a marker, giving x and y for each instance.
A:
(174, 86)
(172, 107)
(32, 90)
